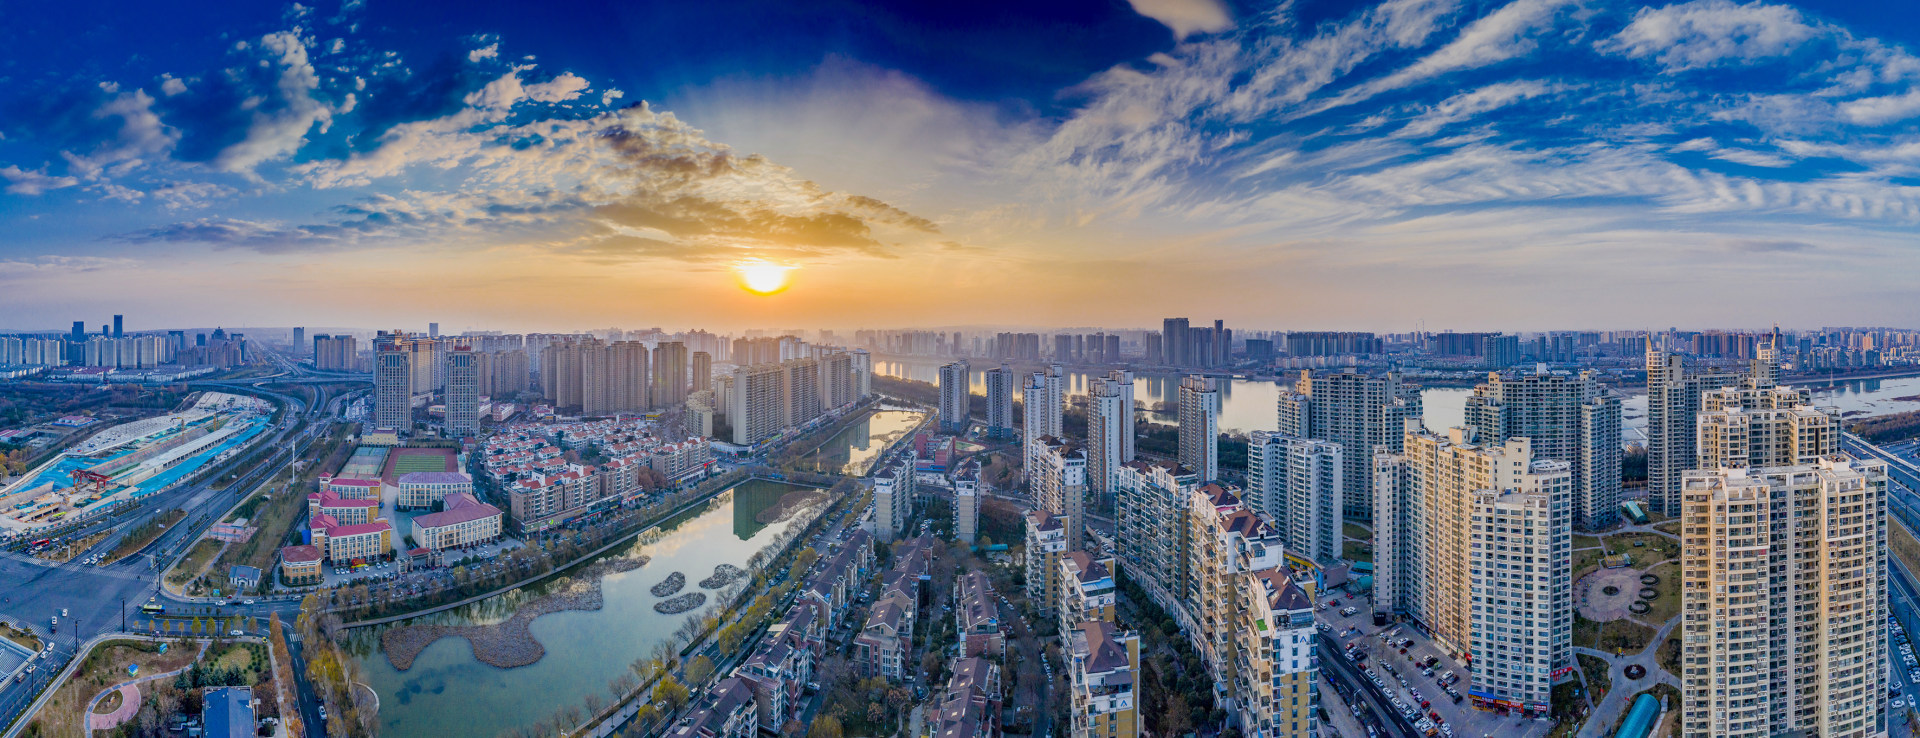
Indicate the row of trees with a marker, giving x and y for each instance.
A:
(331, 672)
(1176, 694)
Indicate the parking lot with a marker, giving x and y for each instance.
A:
(1402, 676)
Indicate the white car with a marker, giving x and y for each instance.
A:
(248, 602)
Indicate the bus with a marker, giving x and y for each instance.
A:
(153, 608)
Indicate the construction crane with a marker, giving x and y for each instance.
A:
(83, 479)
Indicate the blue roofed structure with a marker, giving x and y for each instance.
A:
(229, 712)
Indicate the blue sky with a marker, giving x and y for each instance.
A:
(1523, 164)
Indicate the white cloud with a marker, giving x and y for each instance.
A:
(182, 195)
(607, 98)
(1879, 111)
(141, 134)
(1751, 158)
(565, 87)
(1466, 105)
(1708, 32)
(171, 85)
(279, 133)
(1504, 34)
(50, 265)
(1186, 17)
(23, 182)
(487, 52)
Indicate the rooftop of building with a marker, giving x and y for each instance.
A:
(331, 500)
(1097, 642)
(228, 712)
(343, 531)
(1088, 568)
(1283, 594)
(458, 508)
(435, 477)
(305, 554)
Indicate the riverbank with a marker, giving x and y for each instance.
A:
(721, 484)
(510, 643)
(790, 505)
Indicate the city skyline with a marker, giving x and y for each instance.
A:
(1524, 165)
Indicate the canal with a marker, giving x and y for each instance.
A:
(447, 692)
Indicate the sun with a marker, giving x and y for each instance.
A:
(762, 277)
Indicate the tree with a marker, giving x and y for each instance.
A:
(699, 670)
(825, 726)
(670, 692)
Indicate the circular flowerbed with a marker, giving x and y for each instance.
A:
(1635, 671)
(1649, 593)
(1649, 579)
(1640, 607)
(1609, 590)
(680, 604)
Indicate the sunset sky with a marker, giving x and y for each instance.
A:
(1303, 165)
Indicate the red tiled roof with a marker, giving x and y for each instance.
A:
(460, 508)
(361, 529)
(300, 554)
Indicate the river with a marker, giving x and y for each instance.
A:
(853, 450)
(447, 692)
(1250, 405)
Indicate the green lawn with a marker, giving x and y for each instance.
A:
(195, 561)
(1654, 548)
(1580, 542)
(1625, 636)
(1356, 551)
(1356, 530)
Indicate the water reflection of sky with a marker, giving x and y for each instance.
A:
(854, 449)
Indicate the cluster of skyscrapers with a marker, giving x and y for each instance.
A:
(1783, 576)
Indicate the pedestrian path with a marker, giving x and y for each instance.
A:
(129, 706)
(1607, 714)
(129, 697)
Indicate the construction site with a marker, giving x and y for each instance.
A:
(131, 460)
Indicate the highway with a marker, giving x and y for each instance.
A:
(100, 599)
(1903, 597)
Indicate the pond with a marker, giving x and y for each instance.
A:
(447, 692)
